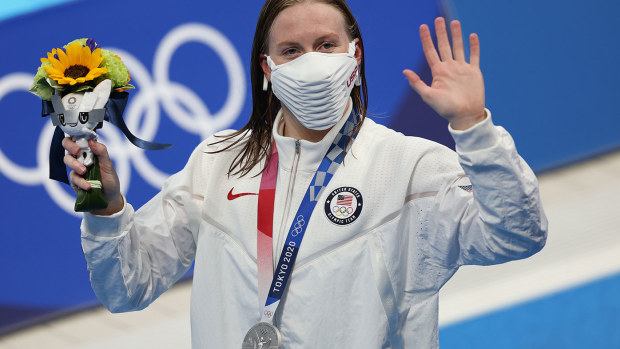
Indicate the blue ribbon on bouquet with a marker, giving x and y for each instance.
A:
(114, 114)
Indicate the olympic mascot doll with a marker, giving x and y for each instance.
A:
(81, 85)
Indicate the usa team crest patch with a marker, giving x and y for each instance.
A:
(344, 205)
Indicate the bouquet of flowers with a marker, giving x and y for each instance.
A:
(79, 66)
(81, 85)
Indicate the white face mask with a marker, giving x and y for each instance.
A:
(316, 86)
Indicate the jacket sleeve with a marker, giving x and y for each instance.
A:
(492, 213)
(133, 257)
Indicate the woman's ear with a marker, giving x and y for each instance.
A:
(358, 51)
(262, 59)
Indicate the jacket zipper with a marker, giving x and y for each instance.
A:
(287, 208)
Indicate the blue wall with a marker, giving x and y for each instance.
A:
(551, 72)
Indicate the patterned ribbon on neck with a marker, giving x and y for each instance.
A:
(272, 294)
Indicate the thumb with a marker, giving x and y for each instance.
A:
(416, 83)
(100, 150)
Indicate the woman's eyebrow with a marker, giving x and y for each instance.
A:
(287, 43)
(328, 36)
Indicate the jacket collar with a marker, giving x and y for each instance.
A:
(311, 153)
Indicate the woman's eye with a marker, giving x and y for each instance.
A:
(327, 46)
(290, 52)
(83, 117)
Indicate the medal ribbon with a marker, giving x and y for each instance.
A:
(266, 197)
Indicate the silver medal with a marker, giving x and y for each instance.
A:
(263, 335)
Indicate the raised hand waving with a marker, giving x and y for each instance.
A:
(457, 90)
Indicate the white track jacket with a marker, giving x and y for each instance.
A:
(370, 281)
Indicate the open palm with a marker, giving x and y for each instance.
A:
(457, 90)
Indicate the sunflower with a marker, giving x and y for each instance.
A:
(75, 65)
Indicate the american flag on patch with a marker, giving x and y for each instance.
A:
(344, 200)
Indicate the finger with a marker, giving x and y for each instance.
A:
(416, 83)
(74, 164)
(100, 150)
(474, 47)
(78, 181)
(427, 45)
(457, 41)
(70, 146)
(443, 44)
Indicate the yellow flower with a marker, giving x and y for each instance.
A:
(77, 65)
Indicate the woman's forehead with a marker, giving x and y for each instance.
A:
(307, 21)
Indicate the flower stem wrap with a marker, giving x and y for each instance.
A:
(93, 199)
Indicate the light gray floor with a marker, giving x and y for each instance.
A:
(583, 245)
